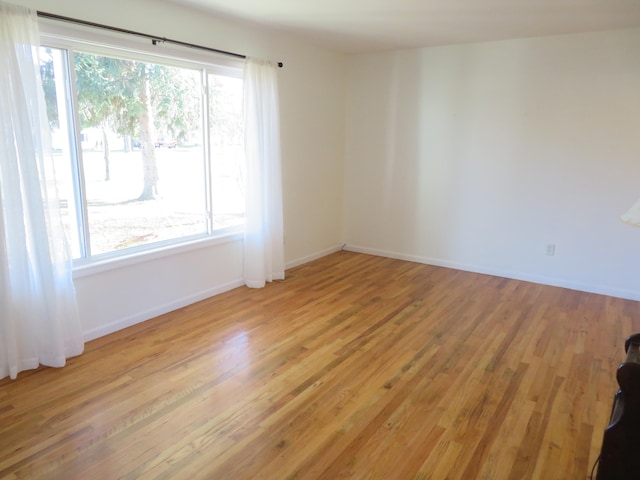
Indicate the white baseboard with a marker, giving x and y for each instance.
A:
(183, 302)
(314, 256)
(544, 280)
(131, 320)
(158, 310)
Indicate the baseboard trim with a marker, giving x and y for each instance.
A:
(131, 320)
(540, 279)
(314, 256)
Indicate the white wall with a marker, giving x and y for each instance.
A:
(312, 102)
(478, 156)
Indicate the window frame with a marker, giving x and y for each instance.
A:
(70, 38)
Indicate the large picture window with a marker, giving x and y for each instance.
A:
(147, 153)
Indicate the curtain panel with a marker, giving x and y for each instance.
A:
(264, 237)
(39, 322)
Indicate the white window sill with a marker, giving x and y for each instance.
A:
(85, 268)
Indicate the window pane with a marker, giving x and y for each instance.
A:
(142, 155)
(227, 151)
(129, 149)
(55, 84)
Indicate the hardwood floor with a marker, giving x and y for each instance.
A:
(354, 367)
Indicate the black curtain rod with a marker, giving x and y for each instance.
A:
(154, 39)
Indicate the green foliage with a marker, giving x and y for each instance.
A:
(110, 95)
(110, 91)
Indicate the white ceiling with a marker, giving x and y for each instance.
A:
(356, 26)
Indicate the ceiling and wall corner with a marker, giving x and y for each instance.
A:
(361, 26)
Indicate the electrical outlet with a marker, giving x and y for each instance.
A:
(551, 249)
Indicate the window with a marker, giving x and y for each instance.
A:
(148, 150)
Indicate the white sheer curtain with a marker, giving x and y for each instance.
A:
(264, 238)
(39, 322)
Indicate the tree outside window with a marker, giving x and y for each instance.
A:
(132, 165)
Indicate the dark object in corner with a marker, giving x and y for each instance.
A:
(620, 452)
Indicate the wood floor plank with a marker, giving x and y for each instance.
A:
(355, 367)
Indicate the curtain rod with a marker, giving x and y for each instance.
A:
(154, 39)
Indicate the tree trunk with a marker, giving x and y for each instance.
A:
(149, 167)
(105, 143)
